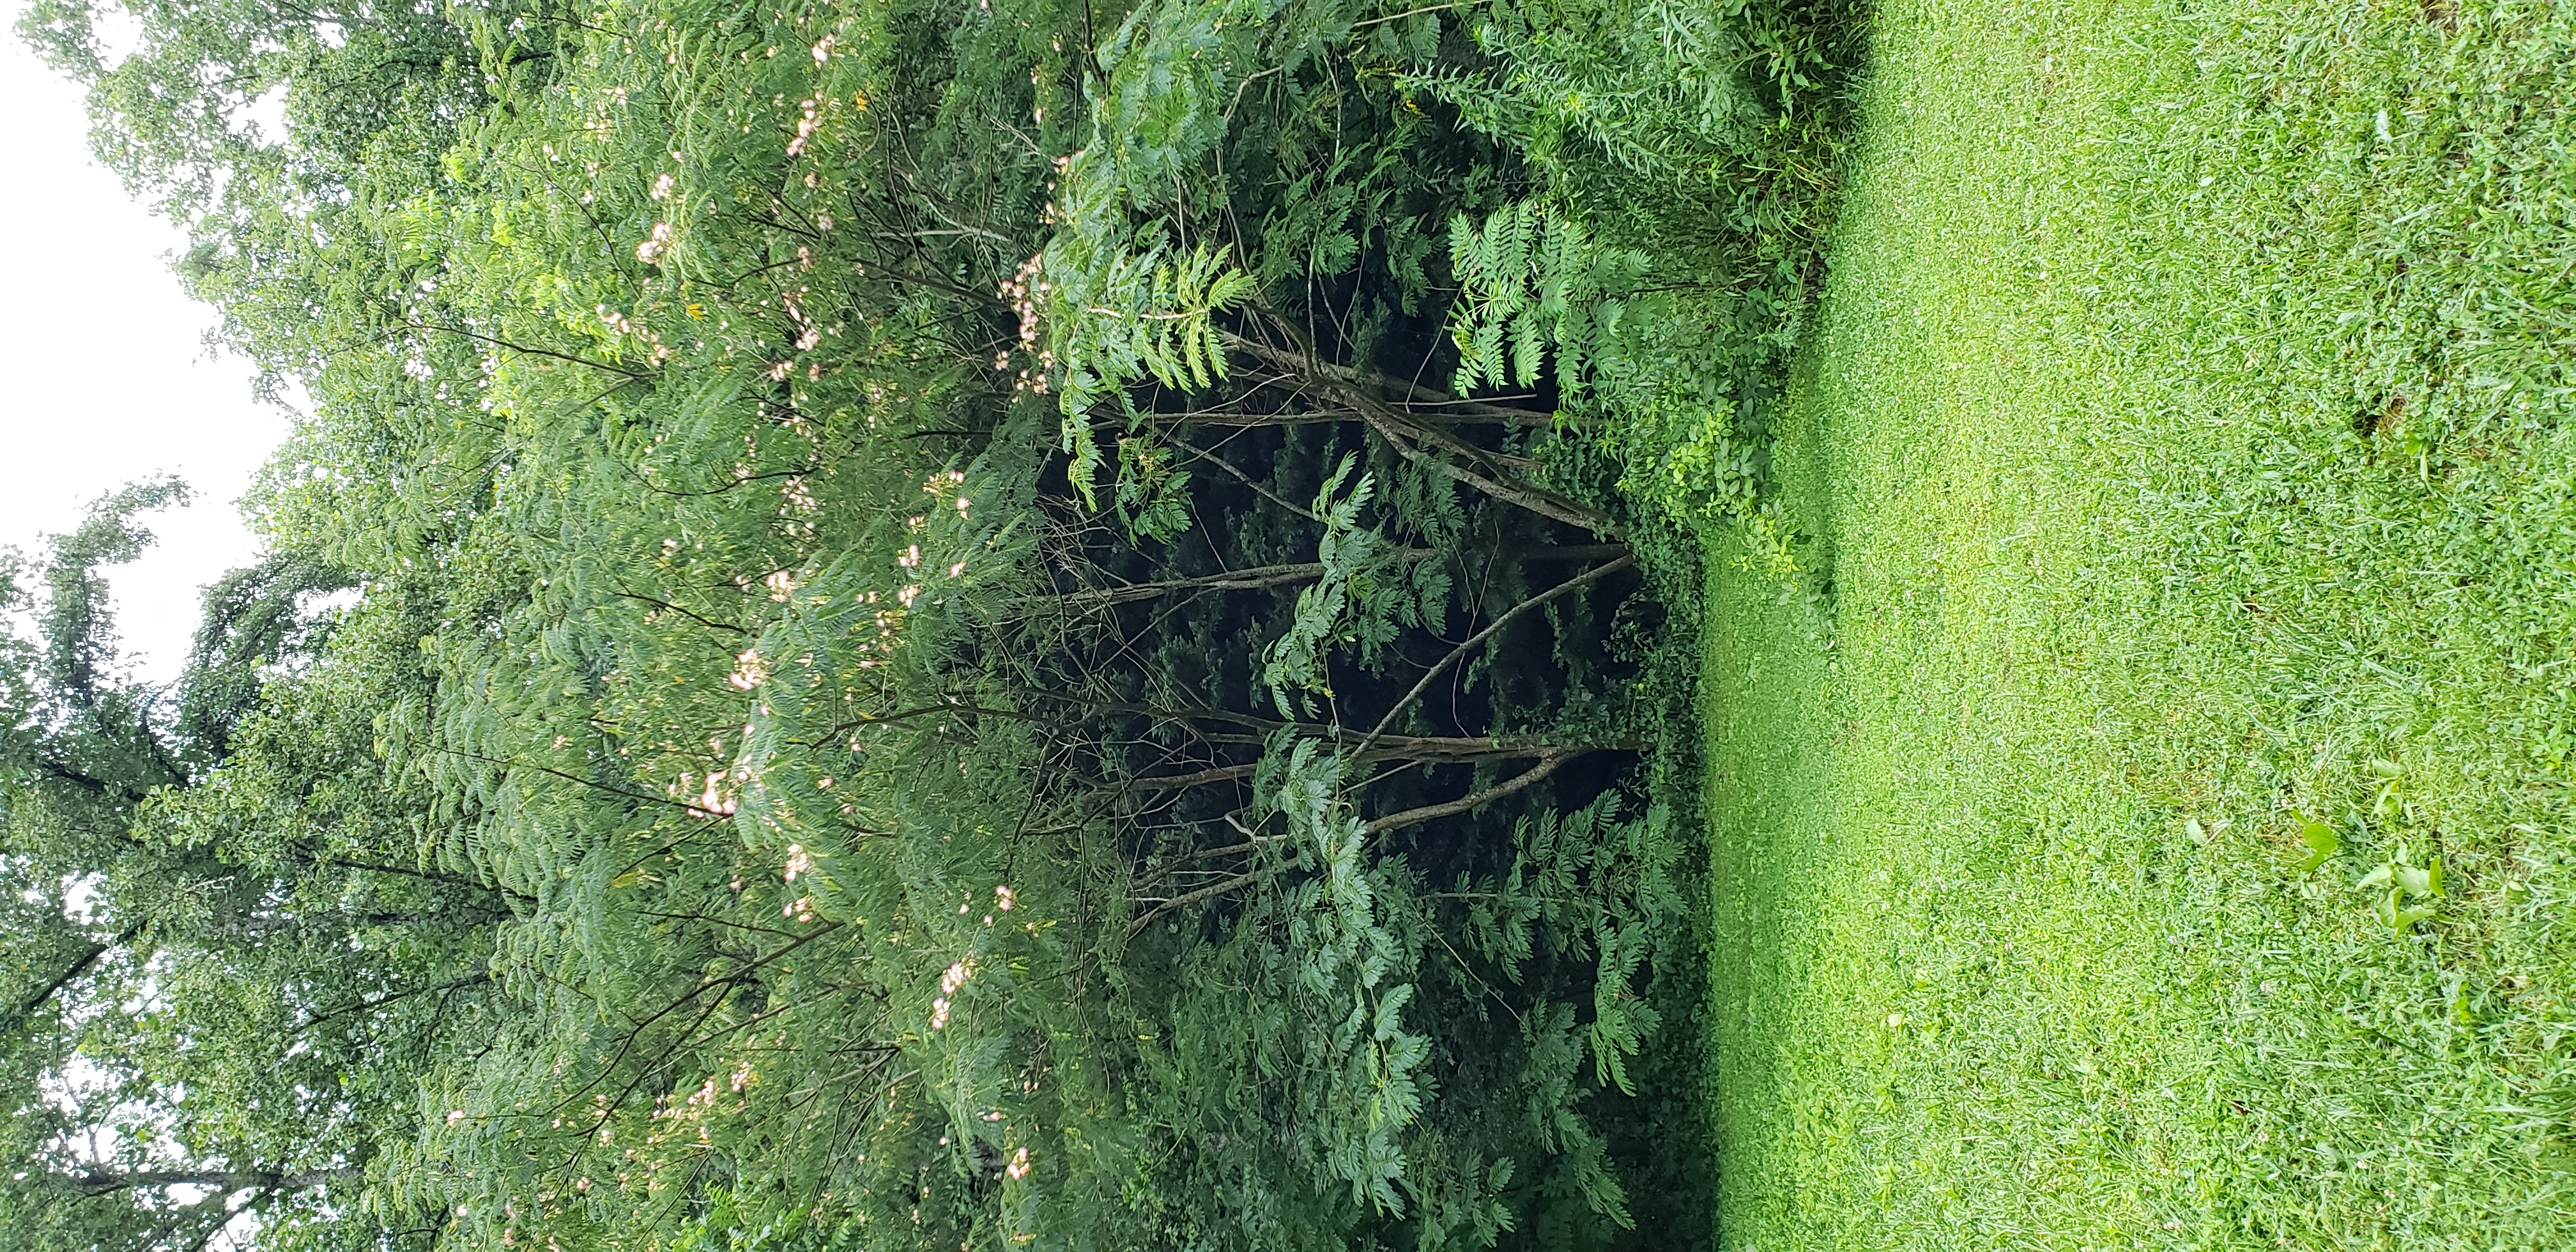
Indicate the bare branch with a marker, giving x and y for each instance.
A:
(1576, 583)
(1137, 926)
(360, 1006)
(1403, 434)
(1431, 812)
(96, 1182)
(1258, 578)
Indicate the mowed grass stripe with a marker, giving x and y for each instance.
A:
(2186, 455)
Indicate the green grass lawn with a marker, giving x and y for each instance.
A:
(2185, 457)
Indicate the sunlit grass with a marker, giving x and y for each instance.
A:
(2184, 449)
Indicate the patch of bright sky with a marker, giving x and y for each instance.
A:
(108, 378)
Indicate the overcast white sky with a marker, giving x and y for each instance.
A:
(106, 379)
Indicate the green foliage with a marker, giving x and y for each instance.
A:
(1350, 555)
(1683, 159)
(1587, 884)
(256, 618)
(1131, 317)
(1345, 957)
(1532, 281)
(767, 790)
(243, 949)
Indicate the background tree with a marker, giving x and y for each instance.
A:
(930, 662)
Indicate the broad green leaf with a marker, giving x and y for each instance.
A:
(2322, 842)
(2418, 882)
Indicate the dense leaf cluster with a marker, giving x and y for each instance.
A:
(876, 639)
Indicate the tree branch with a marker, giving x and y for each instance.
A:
(97, 1182)
(1431, 812)
(272, 925)
(389, 997)
(1255, 579)
(668, 607)
(1393, 821)
(1184, 901)
(579, 781)
(1576, 583)
(425, 875)
(79, 966)
(1250, 842)
(1401, 432)
(523, 349)
(1265, 493)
